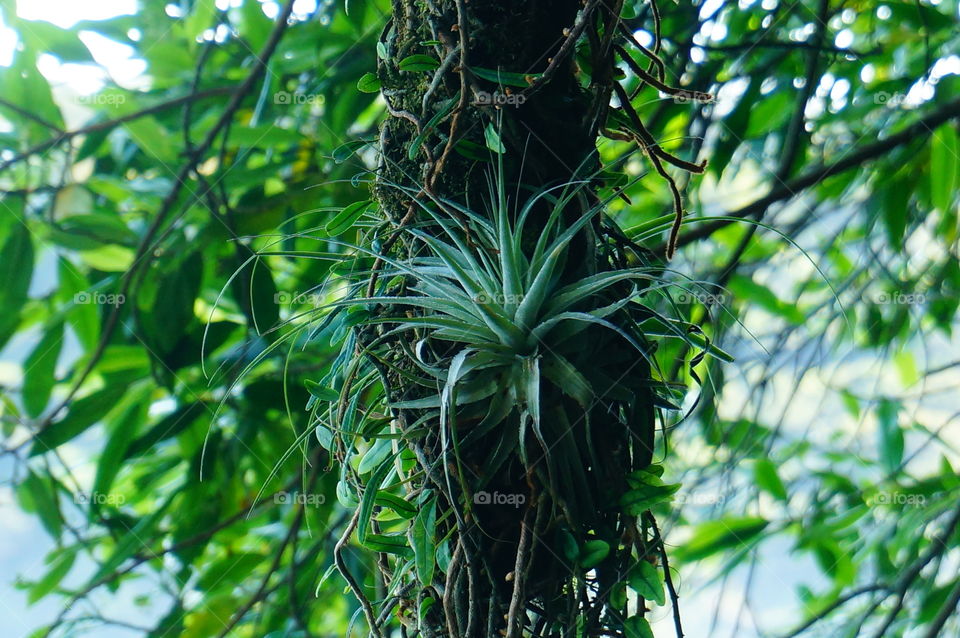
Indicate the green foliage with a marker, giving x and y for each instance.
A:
(172, 373)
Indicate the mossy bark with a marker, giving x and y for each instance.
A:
(548, 138)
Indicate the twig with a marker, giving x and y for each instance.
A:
(30, 116)
(565, 50)
(938, 545)
(667, 577)
(520, 573)
(839, 602)
(109, 124)
(945, 612)
(656, 153)
(351, 581)
(453, 572)
(822, 48)
(259, 594)
(916, 131)
(655, 60)
(458, 111)
(699, 96)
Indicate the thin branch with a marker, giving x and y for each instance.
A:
(351, 581)
(938, 545)
(809, 46)
(918, 130)
(65, 136)
(838, 603)
(520, 574)
(565, 50)
(22, 112)
(668, 578)
(699, 96)
(946, 611)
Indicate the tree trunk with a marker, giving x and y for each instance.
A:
(514, 553)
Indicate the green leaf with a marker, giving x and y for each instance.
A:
(894, 202)
(123, 430)
(377, 453)
(834, 561)
(346, 217)
(765, 473)
(569, 546)
(369, 83)
(38, 494)
(87, 231)
(647, 489)
(418, 62)
(637, 627)
(168, 427)
(944, 166)
(891, 435)
(39, 370)
(254, 25)
(472, 151)
(593, 552)
(746, 289)
(442, 112)
(647, 581)
(233, 569)
(389, 543)
(346, 150)
(60, 561)
(324, 437)
(400, 506)
(153, 139)
(130, 541)
(82, 315)
(369, 497)
(422, 535)
(506, 78)
(562, 374)
(715, 536)
(322, 393)
(165, 303)
(109, 258)
(16, 269)
(82, 413)
(492, 138)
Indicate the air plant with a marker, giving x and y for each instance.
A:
(493, 412)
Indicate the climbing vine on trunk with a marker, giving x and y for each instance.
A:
(497, 394)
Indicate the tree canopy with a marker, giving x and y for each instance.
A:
(169, 176)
